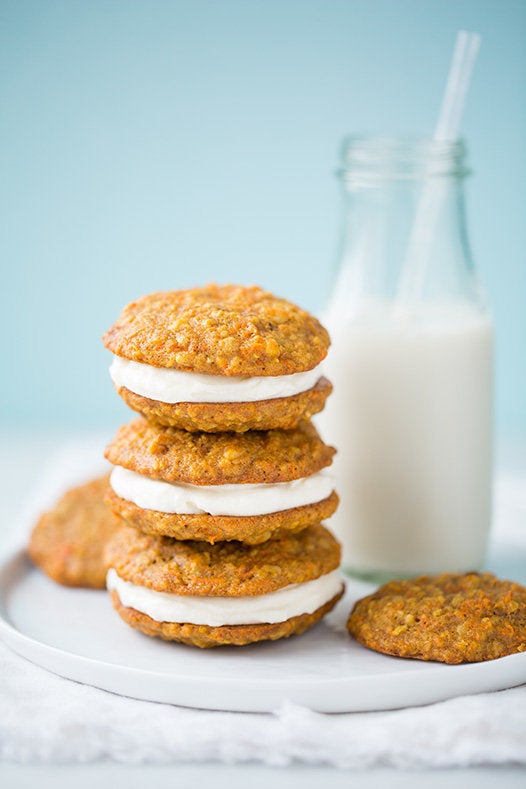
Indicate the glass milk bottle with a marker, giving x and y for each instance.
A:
(411, 364)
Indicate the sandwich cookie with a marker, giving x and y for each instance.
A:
(229, 593)
(67, 543)
(219, 358)
(249, 486)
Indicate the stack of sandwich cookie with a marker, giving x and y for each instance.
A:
(220, 501)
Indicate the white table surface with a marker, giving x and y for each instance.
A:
(22, 459)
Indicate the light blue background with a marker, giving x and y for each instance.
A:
(156, 145)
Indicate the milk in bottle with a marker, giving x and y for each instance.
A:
(411, 412)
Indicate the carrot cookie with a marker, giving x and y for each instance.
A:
(219, 358)
(67, 542)
(448, 618)
(220, 486)
(227, 593)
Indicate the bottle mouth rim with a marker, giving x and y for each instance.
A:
(402, 157)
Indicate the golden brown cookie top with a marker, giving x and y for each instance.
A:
(255, 456)
(452, 618)
(224, 569)
(68, 541)
(220, 330)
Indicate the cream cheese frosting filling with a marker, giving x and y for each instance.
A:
(167, 385)
(237, 500)
(293, 600)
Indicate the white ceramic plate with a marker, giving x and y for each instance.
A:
(77, 634)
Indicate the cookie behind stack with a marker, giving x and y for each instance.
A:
(68, 541)
(222, 542)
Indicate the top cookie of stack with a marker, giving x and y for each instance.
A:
(219, 358)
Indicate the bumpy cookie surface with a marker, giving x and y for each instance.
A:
(226, 635)
(282, 412)
(221, 330)
(449, 618)
(224, 569)
(174, 455)
(251, 529)
(67, 543)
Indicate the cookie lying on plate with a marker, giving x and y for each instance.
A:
(224, 594)
(449, 618)
(219, 358)
(67, 543)
(249, 486)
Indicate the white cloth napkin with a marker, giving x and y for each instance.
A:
(44, 718)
